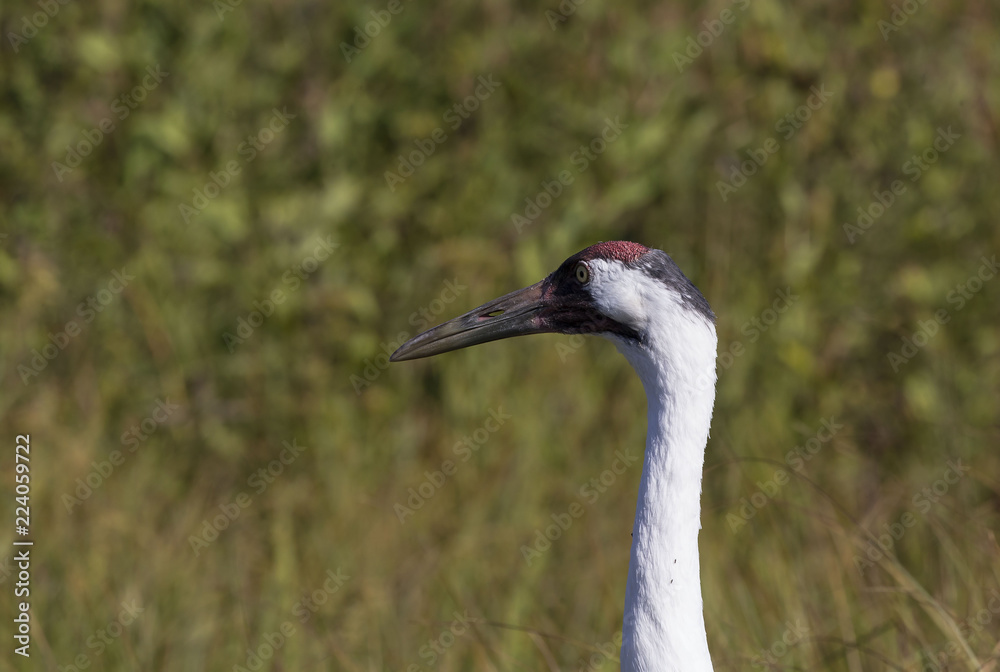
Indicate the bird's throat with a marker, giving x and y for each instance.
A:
(664, 627)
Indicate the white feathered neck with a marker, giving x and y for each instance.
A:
(664, 626)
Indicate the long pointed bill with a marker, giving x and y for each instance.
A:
(514, 314)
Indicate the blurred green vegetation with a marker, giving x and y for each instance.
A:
(261, 100)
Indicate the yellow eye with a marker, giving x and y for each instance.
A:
(582, 274)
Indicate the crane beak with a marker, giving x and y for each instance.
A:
(515, 314)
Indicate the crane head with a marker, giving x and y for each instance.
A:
(615, 289)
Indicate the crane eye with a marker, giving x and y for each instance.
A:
(582, 274)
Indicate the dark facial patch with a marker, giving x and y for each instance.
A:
(571, 307)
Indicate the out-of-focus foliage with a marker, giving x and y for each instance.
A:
(252, 118)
